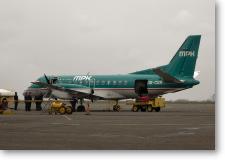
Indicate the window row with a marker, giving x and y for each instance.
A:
(102, 82)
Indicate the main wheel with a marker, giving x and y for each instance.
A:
(62, 110)
(135, 108)
(69, 110)
(150, 108)
(157, 109)
(116, 108)
(80, 108)
(143, 108)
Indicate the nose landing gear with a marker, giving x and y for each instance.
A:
(81, 107)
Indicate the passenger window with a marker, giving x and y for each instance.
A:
(86, 82)
(108, 82)
(149, 82)
(114, 82)
(125, 83)
(103, 82)
(92, 81)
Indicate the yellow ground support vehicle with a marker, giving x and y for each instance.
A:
(150, 105)
(6, 112)
(59, 107)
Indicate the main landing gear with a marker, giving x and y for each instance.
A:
(116, 107)
(81, 107)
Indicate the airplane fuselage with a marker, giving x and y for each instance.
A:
(111, 86)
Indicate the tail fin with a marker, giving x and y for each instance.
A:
(183, 63)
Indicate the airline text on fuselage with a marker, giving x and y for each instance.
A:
(80, 78)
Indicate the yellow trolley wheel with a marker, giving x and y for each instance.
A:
(62, 110)
(150, 108)
(69, 110)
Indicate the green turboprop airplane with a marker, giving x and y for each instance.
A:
(176, 76)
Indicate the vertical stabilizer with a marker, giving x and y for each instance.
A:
(183, 63)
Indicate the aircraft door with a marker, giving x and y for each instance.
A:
(141, 87)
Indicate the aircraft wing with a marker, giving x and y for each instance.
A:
(84, 93)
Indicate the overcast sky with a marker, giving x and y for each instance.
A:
(102, 37)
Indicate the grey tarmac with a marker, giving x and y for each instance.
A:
(176, 127)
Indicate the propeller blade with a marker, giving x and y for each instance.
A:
(47, 79)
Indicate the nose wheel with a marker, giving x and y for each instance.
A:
(81, 107)
(116, 108)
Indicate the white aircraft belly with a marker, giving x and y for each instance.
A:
(61, 94)
(105, 93)
(114, 93)
(108, 94)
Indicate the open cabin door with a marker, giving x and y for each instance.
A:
(141, 87)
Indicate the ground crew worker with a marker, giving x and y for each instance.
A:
(15, 101)
(26, 103)
(73, 103)
(38, 102)
(28, 100)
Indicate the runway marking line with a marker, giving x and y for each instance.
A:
(67, 117)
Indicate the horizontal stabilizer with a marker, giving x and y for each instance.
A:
(165, 76)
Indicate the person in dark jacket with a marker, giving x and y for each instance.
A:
(28, 102)
(38, 102)
(73, 103)
(15, 101)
